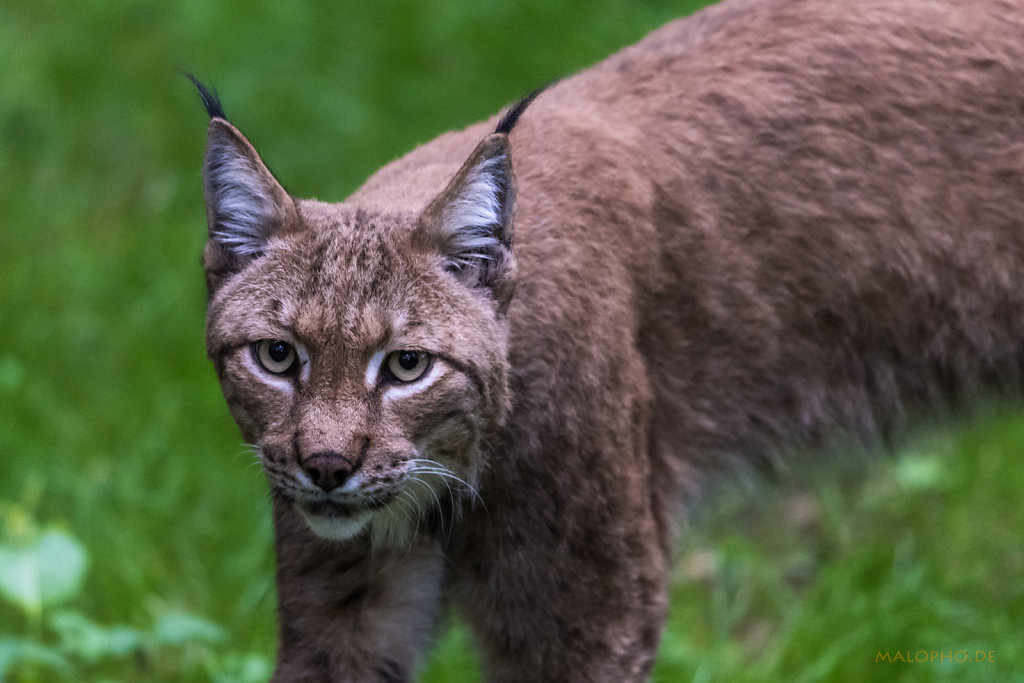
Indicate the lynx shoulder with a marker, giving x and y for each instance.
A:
(495, 375)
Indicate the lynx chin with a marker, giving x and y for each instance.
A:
(494, 377)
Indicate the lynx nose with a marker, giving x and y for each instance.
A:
(328, 470)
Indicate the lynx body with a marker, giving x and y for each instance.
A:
(493, 377)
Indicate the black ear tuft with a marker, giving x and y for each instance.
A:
(210, 99)
(511, 117)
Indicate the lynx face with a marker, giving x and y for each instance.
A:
(363, 354)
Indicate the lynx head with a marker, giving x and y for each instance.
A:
(363, 353)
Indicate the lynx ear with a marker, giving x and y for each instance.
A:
(245, 204)
(470, 223)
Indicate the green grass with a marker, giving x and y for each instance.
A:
(813, 580)
(114, 437)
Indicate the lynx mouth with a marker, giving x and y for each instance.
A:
(329, 508)
(339, 521)
(334, 521)
(334, 508)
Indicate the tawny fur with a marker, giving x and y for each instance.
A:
(769, 228)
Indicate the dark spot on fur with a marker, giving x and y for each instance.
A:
(354, 597)
(469, 372)
(649, 637)
(362, 452)
(290, 636)
(322, 662)
(829, 323)
(391, 671)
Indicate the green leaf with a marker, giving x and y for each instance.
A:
(45, 571)
(15, 651)
(250, 667)
(90, 641)
(917, 472)
(178, 628)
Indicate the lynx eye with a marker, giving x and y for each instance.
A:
(274, 355)
(408, 366)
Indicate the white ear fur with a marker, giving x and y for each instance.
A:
(244, 202)
(242, 209)
(474, 215)
(473, 221)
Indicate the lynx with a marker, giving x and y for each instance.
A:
(493, 378)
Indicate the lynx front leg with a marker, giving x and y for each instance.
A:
(565, 589)
(349, 613)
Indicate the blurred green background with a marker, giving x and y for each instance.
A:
(134, 525)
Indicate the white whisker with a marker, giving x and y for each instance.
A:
(254, 453)
(427, 466)
(433, 494)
